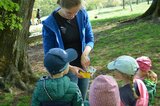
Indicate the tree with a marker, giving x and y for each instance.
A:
(130, 4)
(137, 1)
(15, 70)
(147, 1)
(153, 12)
(123, 4)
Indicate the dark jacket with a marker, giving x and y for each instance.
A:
(60, 90)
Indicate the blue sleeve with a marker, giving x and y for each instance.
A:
(88, 32)
(48, 39)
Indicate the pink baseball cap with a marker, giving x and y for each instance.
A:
(144, 63)
(104, 91)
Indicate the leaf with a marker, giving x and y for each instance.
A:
(1, 26)
(11, 19)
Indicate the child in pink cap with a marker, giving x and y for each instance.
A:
(104, 91)
(147, 76)
(145, 71)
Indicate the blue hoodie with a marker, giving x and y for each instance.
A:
(52, 36)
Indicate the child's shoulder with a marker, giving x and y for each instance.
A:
(72, 85)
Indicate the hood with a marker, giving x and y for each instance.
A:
(57, 88)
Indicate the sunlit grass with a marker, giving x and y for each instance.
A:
(118, 11)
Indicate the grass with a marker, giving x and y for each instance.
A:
(118, 11)
(136, 39)
(6, 99)
(113, 40)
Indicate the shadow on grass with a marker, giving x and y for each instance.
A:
(101, 22)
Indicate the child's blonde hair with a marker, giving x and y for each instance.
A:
(130, 80)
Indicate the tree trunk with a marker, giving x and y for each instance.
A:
(130, 4)
(123, 4)
(15, 71)
(137, 1)
(153, 12)
(147, 1)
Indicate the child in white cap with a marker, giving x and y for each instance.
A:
(133, 92)
(104, 91)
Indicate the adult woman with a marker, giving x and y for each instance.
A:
(69, 27)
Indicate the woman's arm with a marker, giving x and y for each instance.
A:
(89, 40)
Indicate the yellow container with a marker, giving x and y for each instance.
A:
(85, 74)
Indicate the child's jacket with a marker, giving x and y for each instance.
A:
(59, 90)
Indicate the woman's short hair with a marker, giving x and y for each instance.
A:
(69, 3)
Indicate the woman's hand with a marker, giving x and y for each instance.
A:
(75, 70)
(85, 61)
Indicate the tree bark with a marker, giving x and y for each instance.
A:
(147, 1)
(137, 2)
(153, 12)
(123, 4)
(130, 4)
(15, 71)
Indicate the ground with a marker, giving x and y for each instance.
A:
(36, 57)
(35, 49)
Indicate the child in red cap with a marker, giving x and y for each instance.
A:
(145, 71)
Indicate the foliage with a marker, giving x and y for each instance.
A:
(6, 99)
(8, 17)
(24, 100)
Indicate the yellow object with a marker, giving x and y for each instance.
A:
(85, 74)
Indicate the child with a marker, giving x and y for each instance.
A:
(133, 93)
(57, 89)
(147, 76)
(145, 71)
(104, 92)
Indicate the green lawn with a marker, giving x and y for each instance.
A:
(118, 11)
(141, 38)
(112, 40)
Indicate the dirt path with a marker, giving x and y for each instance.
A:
(36, 57)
